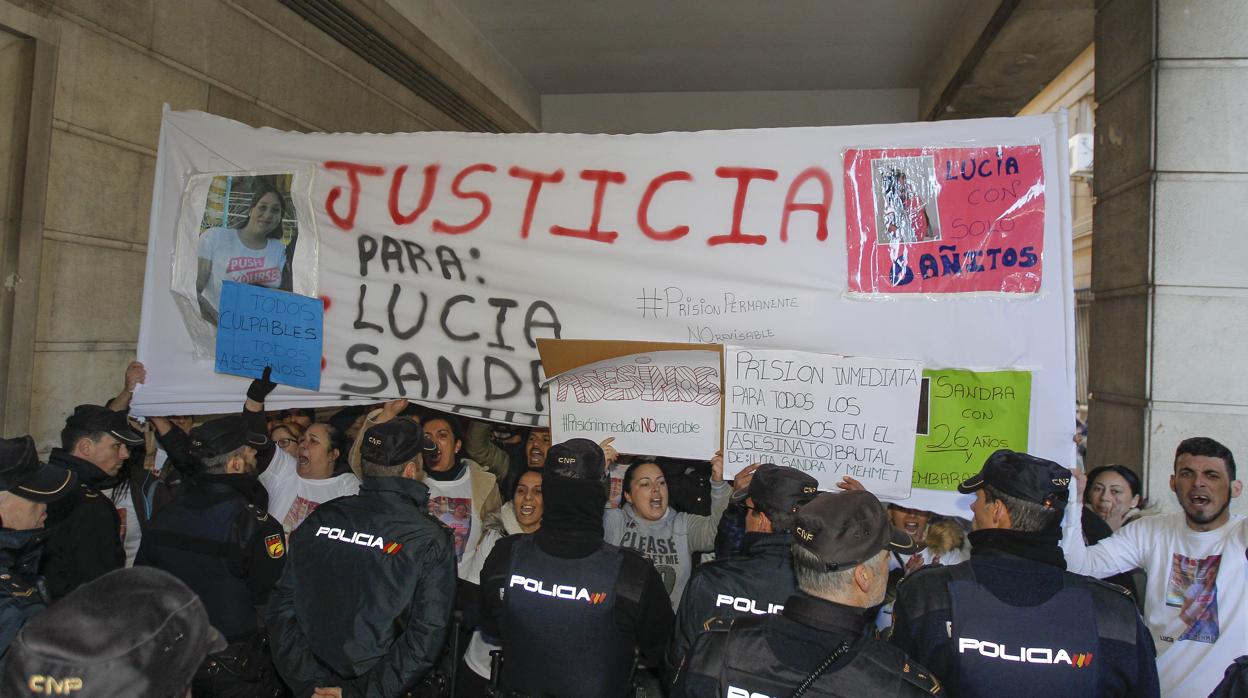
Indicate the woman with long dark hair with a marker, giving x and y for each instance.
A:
(252, 254)
(645, 522)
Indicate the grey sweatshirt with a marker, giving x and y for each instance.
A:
(670, 542)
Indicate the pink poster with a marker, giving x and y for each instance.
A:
(945, 220)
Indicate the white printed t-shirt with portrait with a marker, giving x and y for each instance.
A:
(292, 498)
(131, 531)
(443, 496)
(232, 260)
(1197, 594)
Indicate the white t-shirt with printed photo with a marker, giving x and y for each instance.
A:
(292, 498)
(1196, 601)
(450, 502)
(128, 517)
(233, 260)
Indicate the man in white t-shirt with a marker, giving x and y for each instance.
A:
(1196, 602)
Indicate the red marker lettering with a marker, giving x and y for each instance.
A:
(536, 180)
(441, 227)
(426, 194)
(822, 209)
(353, 170)
(643, 210)
(602, 179)
(743, 175)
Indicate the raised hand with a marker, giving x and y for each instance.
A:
(849, 483)
(262, 386)
(609, 451)
(136, 373)
(392, 409)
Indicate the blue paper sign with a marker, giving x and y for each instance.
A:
(259, 327)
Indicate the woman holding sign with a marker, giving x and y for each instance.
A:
(252, 254)
(668, 539)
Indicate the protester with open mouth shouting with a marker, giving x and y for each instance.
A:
(317, 473)
(1197, 586)
(645, 523)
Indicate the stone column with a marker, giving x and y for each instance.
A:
(1169, 327)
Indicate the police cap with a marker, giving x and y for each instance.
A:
(845, 529)
(395, 442)
(95, 419)
(1023, 475)
(22, 474)
(580, 459)
(137, 631)
(223, 435)
(778, 489)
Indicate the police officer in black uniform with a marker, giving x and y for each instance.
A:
(366, 598)
(821, 644)
(762, 579)
(1011, 620)
(84, 530)
(218, 539)
(562, 592)
(26, 486)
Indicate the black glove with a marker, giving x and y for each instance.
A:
(262, 386)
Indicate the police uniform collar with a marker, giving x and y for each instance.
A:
(246, 486)
(1038, 546)
(88, 473)
(822, 614)
(414, 489)
(757, 543)
(14, 543)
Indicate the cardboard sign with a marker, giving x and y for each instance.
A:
(663, 403)
(945, 220)
(828, 415)
(966, 416)
(259, 327)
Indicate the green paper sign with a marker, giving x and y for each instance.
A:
(963, 417)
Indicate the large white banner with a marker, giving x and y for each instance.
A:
(441, 258)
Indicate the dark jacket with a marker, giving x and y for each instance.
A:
(366, 598)
(215, 539)
(21, 587)
(84, 533)
(772, 655)
(756, 584)
(1022, 571)
(147, 491)
(730, 535)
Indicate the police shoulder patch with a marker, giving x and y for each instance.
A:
(275, 546)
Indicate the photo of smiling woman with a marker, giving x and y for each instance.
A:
(247, 236)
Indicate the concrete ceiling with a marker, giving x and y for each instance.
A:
(594, 46)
